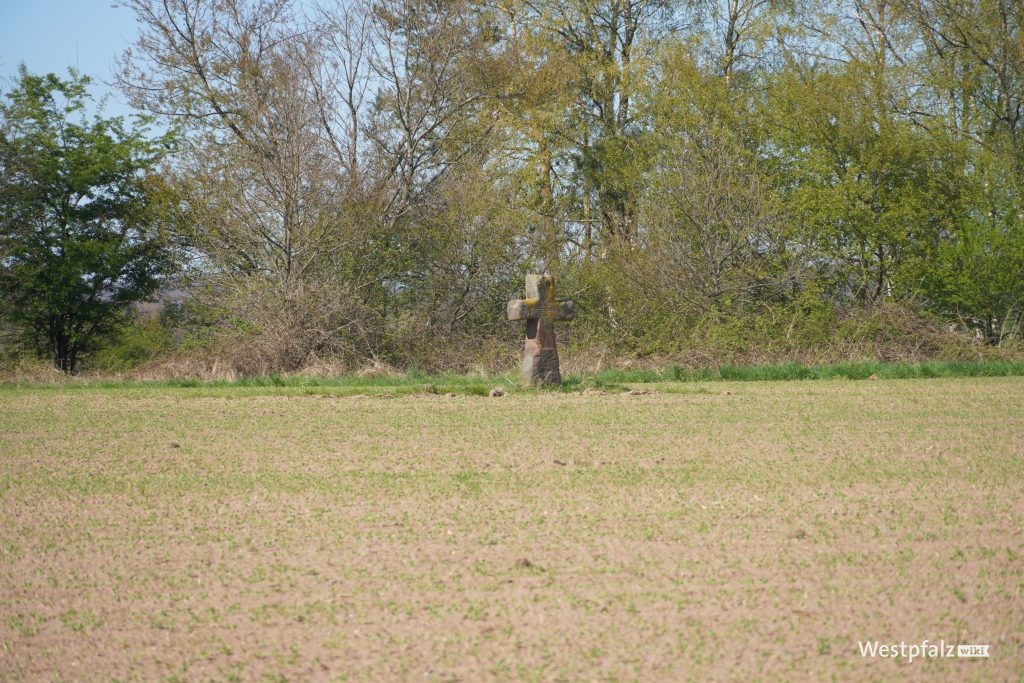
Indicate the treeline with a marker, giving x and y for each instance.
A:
(371, 180)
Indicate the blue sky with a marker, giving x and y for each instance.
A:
(51, 35)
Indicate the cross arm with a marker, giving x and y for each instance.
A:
(528, 309)
(522, 309)
(564, 310)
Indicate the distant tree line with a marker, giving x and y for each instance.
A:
(371, 180)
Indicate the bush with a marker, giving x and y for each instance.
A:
(134, 343)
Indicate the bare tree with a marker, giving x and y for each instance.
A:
(713, 240)
(270, 165)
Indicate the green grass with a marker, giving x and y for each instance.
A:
(404, 384)
(796, 371)
(414, 382)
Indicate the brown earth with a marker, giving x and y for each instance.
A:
(705, 531)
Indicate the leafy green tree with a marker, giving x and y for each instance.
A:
(974, 276)
(870, 188)
(80, 203)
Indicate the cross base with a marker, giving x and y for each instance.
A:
(540, 358)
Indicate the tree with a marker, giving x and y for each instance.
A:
(579, 66)
(713, 240)
(322, 153)
(79, 217)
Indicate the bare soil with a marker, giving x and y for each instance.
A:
(702, 531)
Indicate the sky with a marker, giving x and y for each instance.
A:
(51, 35)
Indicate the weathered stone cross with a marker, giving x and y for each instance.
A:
(540, 310)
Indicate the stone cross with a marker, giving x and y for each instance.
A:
(540, 310)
